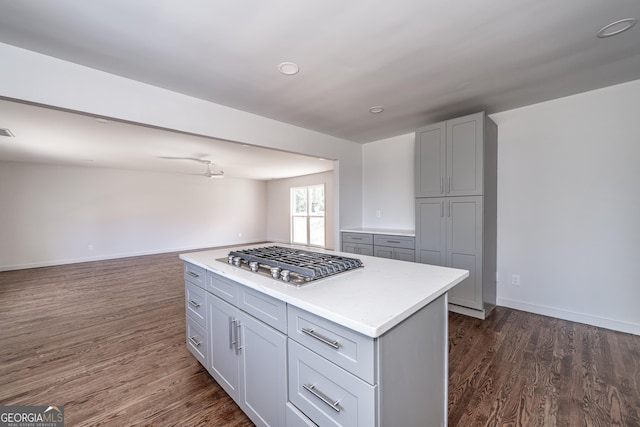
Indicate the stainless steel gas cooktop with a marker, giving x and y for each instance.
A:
(291, 265)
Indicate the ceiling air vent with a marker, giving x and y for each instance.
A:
(5, 132)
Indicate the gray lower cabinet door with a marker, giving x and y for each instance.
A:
(263, 372)
(383, 252)
(431, 231)
(358, 248)
(224, 364)
(464, 248)
(404, 254)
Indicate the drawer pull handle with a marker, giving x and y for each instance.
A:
(192, 274)
(194, 303)
(327, 341)
(356, 238)
(312, 389)
(194, 341)
(393, 241)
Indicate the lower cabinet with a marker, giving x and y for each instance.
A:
(450, 233)
(287, 367)
(249, 360)
(380, 245)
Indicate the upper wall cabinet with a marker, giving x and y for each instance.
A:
(449, 157)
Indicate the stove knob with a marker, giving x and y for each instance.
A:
(237, 261)
(230, 259)
(285, 275)
(253, 265)
(275, 272)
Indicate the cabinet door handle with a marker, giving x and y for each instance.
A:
(449, 208)
(233, 341)
(333, 404)
(442, 209)
(194, 341)
(449, 184)
(239, 345)
(192, 274)
(441, 184)
(194, 303)
(320, 338)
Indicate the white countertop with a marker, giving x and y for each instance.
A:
(369, 300)
(389, 231)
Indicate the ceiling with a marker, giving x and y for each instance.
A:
(46, 135)
(422, 60)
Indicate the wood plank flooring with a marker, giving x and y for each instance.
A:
(107, 340)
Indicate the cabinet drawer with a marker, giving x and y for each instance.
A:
(195, 306)
(327, 394)
(195, 274)
(295, 418)
(223, 288)
(404, 242)
(366, 239)
(342, 346)
(357, 248)
(271, 311)
(197, 341)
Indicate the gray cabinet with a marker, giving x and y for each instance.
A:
(450, 230)
(357, 243)
(246, 356)
(379, 245)
(338, 377)
(394, 247)
(456, 190)
(449, 157)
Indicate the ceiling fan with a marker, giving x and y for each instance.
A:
(209, 173)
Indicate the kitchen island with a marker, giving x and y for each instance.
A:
(367, 347)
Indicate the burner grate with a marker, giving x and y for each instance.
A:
(310, 265)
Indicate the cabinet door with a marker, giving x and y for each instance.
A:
(404, 254)
(263, 372)
(349, 247)
(464, 248)
(464, 156)
(383, 252)
(431, 160)
(223, 331)
(431, 231)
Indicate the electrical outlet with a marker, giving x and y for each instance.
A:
(515, 279)
(90, 247)
(239, 234)
(378, 213)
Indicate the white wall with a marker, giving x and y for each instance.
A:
(568, 207)
(568, 204)
(388, 183)
(279, 202)
(33, 77)
(51, 214)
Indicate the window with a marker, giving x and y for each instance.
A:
(307, 215)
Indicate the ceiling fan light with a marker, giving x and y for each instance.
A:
(617, 27)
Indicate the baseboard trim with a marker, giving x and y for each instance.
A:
(602, 322)
(50, 263)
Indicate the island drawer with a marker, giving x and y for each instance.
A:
(223, 288)
(195, 306)
(271, 311)
(197, 341)
(363, 238)
(342, 346)
(327, 394)
(195, 274)
(404, 242)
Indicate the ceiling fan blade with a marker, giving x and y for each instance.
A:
(206, 162)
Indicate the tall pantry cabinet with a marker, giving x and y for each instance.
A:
(456, 189)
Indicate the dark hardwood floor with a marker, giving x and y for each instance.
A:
(107, 340)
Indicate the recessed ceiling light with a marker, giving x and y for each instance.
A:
(376, 109)
(288, 68)
(617, 27)
(101, 120)
(6, 132)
